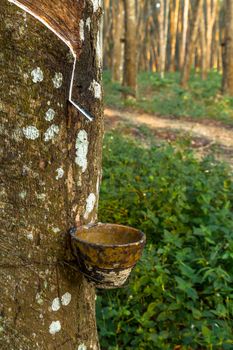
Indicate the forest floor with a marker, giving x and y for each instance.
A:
(206, 136)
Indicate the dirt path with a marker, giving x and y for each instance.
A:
(211, 132)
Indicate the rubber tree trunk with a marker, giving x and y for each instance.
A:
(107, 35)
(207, 26)
(174, 15)
(227, 82)
(51, 166)
(184, 33)
(163, 34)
(118, 46)
(202, 24)
(212, 14)
(185, 73)
(130, 52)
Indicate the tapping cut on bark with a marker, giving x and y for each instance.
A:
(63, 19)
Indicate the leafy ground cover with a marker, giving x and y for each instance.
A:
(181, 293)
(201, 100)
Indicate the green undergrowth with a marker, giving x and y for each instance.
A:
(181, 292)
(201, 100)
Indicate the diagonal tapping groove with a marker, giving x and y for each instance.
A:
(67, 41)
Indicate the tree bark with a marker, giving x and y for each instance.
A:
(227, 82)
(174, 12)
(163, 34)
(191, 45)
(203, 45)
(208, 19)
(118, 46)
(212, 12)
(130, 53)
(184, 33)
(107, 38)
(51, 168)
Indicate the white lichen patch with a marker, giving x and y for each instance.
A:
(57, 80)
(51, 132)
(25, 77)
(56, 229)
(60, 173)
(56, 304)
(82, 347)
(31, 132)
(39, 299)
(24, 14)
(88, 23)
(22, 30)
(37, 75)
(41, 196)
(49, 115)
(81, 30)
(96, 89)
(81, 147)
(30, 236)
(96, 5)
(23, 194)
(90, 203)
(55, 327)
(66, 299)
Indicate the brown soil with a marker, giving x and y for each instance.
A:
(206, 136)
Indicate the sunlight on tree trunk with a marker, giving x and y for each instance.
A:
(227, 83)
(130, 55)
(163, 33)
(118, 45)
(207, 21)
(191, 45)
(174, 13)
(184, 33)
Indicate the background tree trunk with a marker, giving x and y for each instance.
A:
(192, 40)
(130, 55)
(163, 34)
(108, 39)
(118, 45)
(163, 39)
(212, 11)
(174, 12)
(227, 82)
(50, 177)
(208, 19)
(184, 32)
(202, 26)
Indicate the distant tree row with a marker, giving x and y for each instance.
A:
(169, 35)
